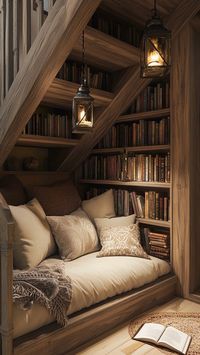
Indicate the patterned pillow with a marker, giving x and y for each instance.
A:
(124, 241)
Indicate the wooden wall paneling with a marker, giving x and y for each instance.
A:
(194, 162)
(36, 18)
(8, 45)
(185, 129)
(6, 257)
(50, 49)
(16, 33)
(2, 50)
(128, 88)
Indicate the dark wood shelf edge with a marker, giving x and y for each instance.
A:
(144, 115)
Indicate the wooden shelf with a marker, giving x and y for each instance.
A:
(154, 222)
(61, 93)
(148, 115)
(163, 185)
(118, 54)
(145, 148)
(43, 141)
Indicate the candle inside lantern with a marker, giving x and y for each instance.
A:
(154, 58)
(82, 115)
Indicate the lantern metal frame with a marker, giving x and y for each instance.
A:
(154, 34)
(83, 98)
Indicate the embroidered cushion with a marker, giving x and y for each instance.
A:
(75, 234)
(123, 221)
(124, 241)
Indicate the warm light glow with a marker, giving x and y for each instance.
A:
(82, 117)
(154, 58)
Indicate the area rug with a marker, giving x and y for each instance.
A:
(186, 322)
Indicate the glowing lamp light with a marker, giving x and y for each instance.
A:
(155, 57)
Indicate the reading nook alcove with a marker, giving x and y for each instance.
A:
(100, 163)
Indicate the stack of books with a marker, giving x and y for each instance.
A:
(157, 244)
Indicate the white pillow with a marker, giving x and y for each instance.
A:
(33, 241)
(75, 234)
(124, 221)
(100, 206)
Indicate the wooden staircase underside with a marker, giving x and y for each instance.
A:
(58, 37)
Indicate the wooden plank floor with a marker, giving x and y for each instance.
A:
(118, 342)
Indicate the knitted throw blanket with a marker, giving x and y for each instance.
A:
(46, 286)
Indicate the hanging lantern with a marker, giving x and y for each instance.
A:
(82, 107)
(155, 48)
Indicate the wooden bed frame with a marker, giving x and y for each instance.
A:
(84, 325)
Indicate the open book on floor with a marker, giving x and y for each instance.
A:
(166, 336)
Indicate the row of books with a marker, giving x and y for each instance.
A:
(72, 71)
(140, 167)
(150, 205)
(157, 243)
(49, 124)
(140, 133)
(115, 28)
(153, 97)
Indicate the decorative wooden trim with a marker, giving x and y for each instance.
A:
(128, 88)
(66, 20)
(118, 54)
(138, 149)
(144, 184)
(61, 93)
(148, 115)
(6, 263)
(155, 222)
(87, 324)
(43, 141)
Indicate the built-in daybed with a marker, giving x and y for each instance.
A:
(106, 291)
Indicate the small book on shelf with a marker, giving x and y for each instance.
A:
(166, 336)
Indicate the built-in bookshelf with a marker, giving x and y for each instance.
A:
(133, 159)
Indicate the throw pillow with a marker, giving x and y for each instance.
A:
(33, 241)
(57, 200)
(100, 206)
(75, 234)
(124, 241)
(114, 222)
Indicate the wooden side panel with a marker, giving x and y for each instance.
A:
(2, 51)
(8, 45)
(185, 159)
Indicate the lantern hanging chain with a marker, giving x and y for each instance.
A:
(155, 9)
(83, 57)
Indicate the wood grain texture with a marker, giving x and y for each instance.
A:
(145, 148)
(185, 128)
(61, 93)
(151, 115)
(66, 20)
(27, 140)
(147, 184)
(6, 260)
(88, 324)
(129, 87)
(2, 50)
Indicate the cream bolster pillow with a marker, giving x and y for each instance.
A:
(75, 234)
(33, 240)
(114, 222)
(100, 206)
(121, 241)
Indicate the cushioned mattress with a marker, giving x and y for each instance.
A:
(93, 280)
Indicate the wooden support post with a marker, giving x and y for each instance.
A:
(16, 31)
(2, 50)
(6, 276)
(53, 44)
(8, 45)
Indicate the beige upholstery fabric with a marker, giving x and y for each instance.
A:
(100, 206)
(114, 222)
(75, 234)
(121, 241)
(94, 280)
(33, 239)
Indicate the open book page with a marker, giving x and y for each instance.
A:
(150, 332)
(175, 339)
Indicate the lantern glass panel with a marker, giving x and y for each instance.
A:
(82, 115)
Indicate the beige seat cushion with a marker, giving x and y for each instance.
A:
(100, 206)
(75, 234)
(33, 238)
(114, 222)
(124, 241)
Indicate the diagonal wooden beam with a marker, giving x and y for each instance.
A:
(180, 16)
(129, 87)
(53, 44)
